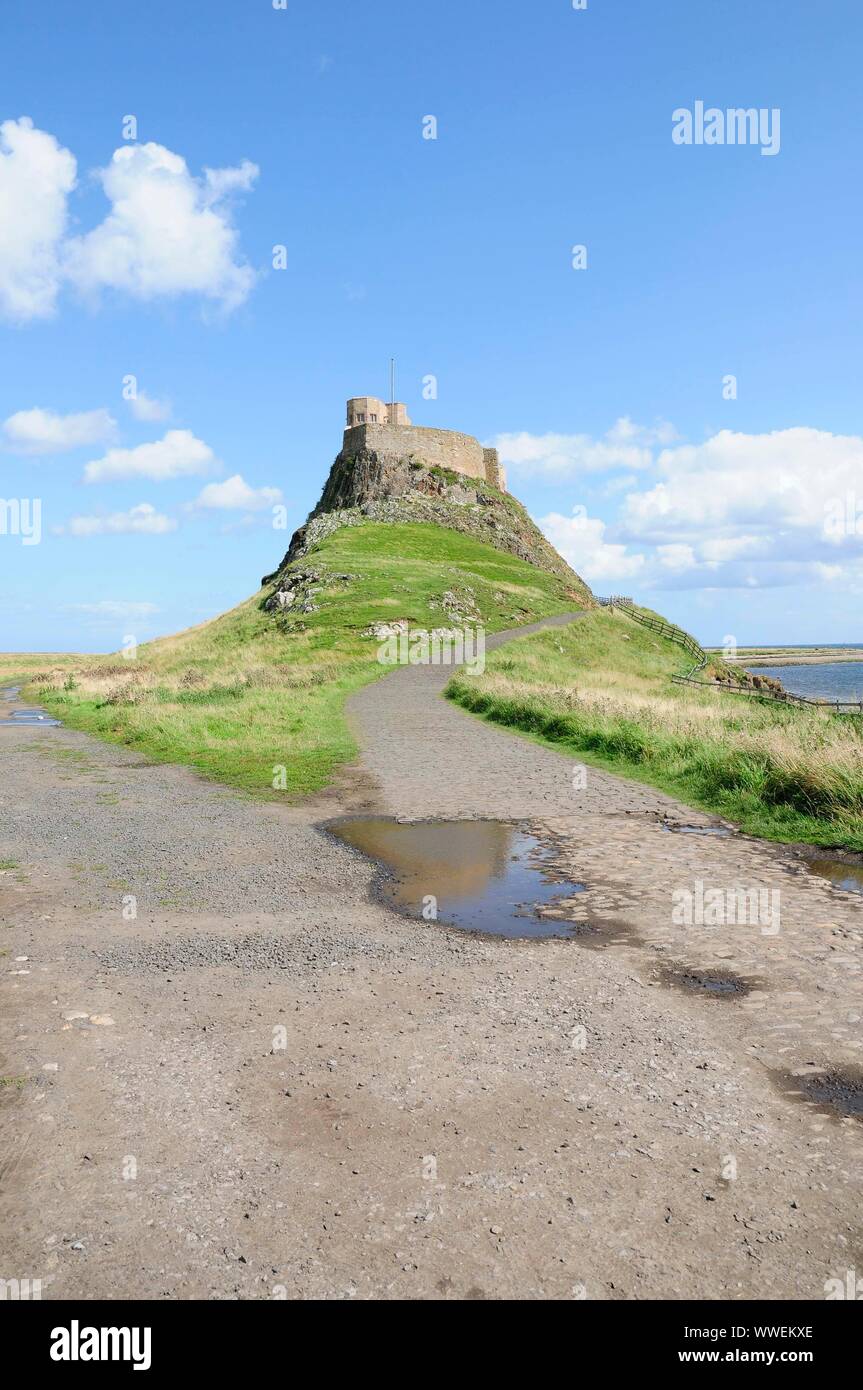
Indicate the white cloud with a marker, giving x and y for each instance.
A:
(723, 548)
(145, 407)
(142, 520)
(752, 511)
(177, 455)
(235, 494)
(581, 541)
(112, 608)
(45, 432)
(625, 445)
(36, 177)
(748, 485)
(738, 511)
(168, 232)
(676, 557)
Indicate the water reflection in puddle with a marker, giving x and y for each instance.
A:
(18, 717)
(21, 717)
(840, 873)
(486, 876)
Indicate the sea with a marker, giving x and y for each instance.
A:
(828, 680)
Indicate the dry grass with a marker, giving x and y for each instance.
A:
(603, 688)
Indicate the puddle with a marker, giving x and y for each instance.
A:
(719, 984)
(696, 829)
(487, 876)
(17, 717)
(839, 872)
(30, 716)
(835, 1092)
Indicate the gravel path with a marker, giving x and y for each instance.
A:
(429, 759)
(229, 1071)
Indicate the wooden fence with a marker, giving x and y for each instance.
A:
(689, 644)
(674, 634)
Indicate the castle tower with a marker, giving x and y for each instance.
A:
(369, 410)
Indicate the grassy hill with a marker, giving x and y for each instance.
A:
(264, 686)
(601, 689)
(254, 690)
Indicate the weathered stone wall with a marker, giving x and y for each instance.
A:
(494, 473)
(442, 448)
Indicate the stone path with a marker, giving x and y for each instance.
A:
(266, 1084)
(429, 759)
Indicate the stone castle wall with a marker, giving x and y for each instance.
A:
(460, 453)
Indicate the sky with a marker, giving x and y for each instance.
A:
(220, 220)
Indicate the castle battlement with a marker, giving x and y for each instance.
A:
(386, 430)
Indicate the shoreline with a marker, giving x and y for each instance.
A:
(785, 656)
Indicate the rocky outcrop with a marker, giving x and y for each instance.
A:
(298, 588)
(369, 487)
(750, 680)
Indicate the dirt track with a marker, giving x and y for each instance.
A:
(436, 1124)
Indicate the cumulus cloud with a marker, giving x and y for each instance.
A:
(744, 486)
(36, 176)
(45, 432)
(142, 520)
(177, 455)
(234, 494)
(168, 232)
(558, 456)
(742, 511)
(580, 539)
(147, 408)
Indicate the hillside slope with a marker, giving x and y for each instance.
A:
(263, 687)
(365, 486)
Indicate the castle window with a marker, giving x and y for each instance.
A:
(374, 419)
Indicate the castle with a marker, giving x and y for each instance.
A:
(386, 430)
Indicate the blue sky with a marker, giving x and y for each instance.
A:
(603, 387)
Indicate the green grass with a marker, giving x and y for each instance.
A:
(601, 690)
(248, 692)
